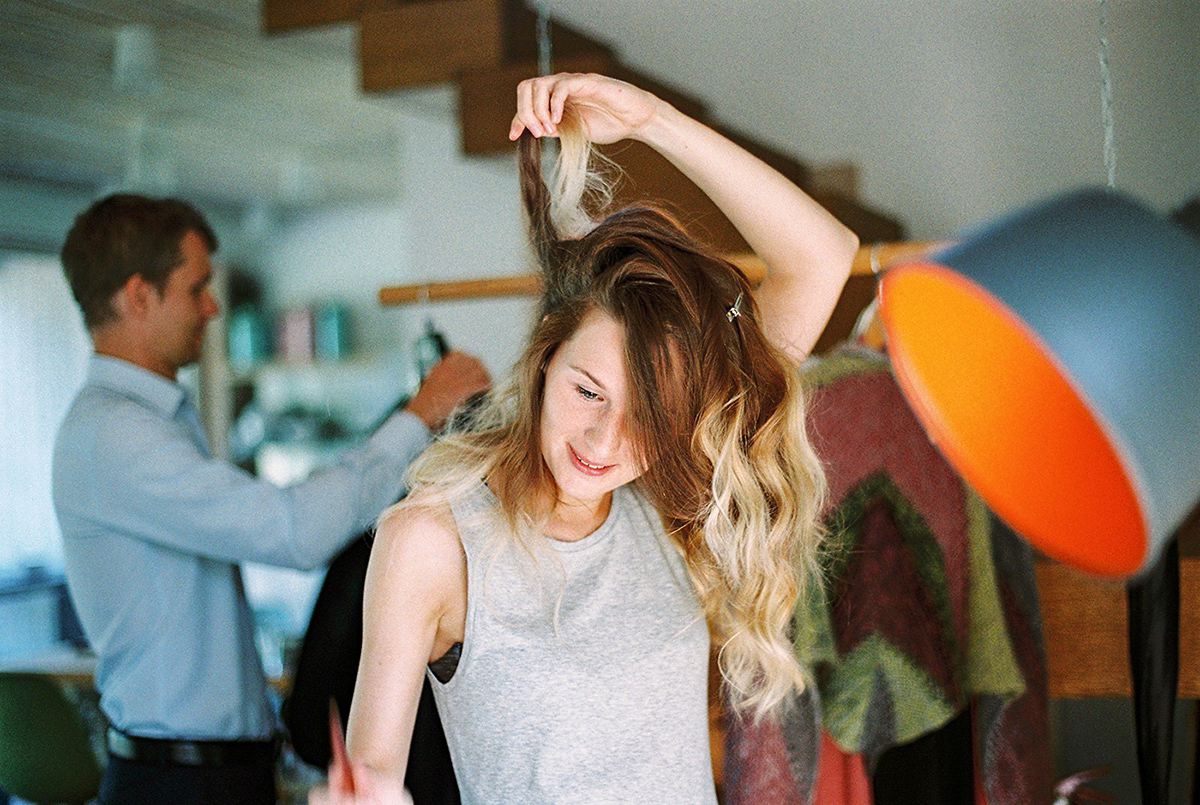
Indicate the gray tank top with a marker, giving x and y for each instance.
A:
(582, 680)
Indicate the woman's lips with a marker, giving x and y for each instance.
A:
(585, 467)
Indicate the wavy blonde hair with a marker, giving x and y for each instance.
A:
(716, 412)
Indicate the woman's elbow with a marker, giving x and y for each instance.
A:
(847, 249)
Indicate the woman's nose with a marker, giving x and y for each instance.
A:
(606, 434)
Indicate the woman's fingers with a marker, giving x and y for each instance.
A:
(521, 119)
(533, 96)
(558, 101)
(608, 110)
(540, 105)
(542, 88)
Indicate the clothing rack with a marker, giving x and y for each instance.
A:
(869, 259)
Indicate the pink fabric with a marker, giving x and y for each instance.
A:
(757, 765)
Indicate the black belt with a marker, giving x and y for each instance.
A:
(166, 752)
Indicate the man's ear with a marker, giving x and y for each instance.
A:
(133, 298)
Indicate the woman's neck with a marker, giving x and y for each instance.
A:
(572, 520)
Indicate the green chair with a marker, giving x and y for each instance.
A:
(45, 753)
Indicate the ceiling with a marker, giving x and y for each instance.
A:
(187, 96)
(951, 112)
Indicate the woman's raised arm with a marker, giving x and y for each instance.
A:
(807, 251)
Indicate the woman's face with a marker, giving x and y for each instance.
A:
(585, 439)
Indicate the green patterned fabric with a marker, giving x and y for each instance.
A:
(906, 628)
(928, 607)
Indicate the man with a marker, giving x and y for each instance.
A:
(154, 529)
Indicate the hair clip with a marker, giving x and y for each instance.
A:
(735, 309)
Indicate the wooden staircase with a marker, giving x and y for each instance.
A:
(486, 47)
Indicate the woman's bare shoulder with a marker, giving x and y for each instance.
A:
(417, 539)
(424, 507)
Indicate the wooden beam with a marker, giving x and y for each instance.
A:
(520, 285)
(403, 44)
(279, 16)
(408, 42)
(859, 290)
(487, 99)
(520, 37)
(486, 108)
(649, 177)
(885, 255)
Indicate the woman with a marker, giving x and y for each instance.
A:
(645, 479)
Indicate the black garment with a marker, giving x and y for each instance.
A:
(328, 659)
(126, 782)
(326, 669)
(936, 769)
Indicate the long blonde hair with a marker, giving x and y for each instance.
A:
(716, 411)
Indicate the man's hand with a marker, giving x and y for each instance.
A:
(450, 383)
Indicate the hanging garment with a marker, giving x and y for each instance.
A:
(923, 615)
(327, 668)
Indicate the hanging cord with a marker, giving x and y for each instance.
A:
(543, 38)
(1106, 102)
(545, 67)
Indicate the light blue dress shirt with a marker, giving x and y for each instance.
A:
(154, 531)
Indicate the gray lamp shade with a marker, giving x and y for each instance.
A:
(1054, 357)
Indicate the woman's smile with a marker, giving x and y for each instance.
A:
(588, 467)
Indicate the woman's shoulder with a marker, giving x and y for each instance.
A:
(633, 496)
(416, 580)
(420, 529)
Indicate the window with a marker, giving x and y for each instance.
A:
(44, 350)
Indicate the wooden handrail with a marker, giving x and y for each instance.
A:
(883, 255)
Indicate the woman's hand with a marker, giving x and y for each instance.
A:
(353, 783)
(608, 110)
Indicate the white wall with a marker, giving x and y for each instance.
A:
(955, 112)
(458, 218)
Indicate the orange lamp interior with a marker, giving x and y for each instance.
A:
(1005, 415)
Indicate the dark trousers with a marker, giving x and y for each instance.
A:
(127, 782)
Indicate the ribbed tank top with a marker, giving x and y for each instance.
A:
(581, 680)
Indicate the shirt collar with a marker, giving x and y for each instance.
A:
(134, 381)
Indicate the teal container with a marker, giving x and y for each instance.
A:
(249, 338)
(331, 334)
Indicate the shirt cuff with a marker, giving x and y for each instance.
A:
(403, 434)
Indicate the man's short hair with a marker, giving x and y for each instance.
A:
(122, 235)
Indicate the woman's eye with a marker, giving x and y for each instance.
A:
(587, 394)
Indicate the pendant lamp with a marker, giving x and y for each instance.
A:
(1054, 357)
